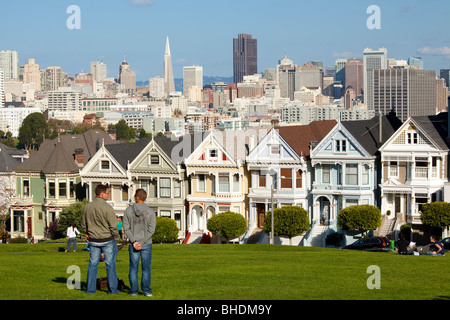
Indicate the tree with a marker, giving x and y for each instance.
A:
(289, 221)
(436, 214)
(361, 218)
(227, 224)
(166, 230)
(33, 131)
(72, 213)
(144, 134)
(123, 131)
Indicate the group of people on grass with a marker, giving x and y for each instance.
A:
(102, 229)
(406, 247)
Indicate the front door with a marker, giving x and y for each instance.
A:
(29, 231)
(260, 213)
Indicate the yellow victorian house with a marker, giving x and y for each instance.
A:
(218, 182)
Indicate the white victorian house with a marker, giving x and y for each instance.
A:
(414, 167)
(278, 176)
(218, 181)
(346, 166)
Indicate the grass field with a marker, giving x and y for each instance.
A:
(231, 272)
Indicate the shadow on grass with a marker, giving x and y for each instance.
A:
(83, 285)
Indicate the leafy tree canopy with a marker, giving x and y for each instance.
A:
(359, 218)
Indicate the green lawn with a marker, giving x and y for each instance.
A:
(229, 272)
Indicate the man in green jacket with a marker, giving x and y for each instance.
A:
(100, 222)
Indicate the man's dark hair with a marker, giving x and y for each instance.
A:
(101, 188)
(141, 194)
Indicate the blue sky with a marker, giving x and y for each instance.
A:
(201, 32)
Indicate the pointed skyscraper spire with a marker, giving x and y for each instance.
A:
(169, 83)
(167, 47)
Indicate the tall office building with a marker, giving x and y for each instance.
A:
(127, 78)
(2, 89)
(408, 92)
(32, 74)
(169, 82)
(354, 75)
(415, 61)
(340, 71)
(9, 62)
(373, 60)
(245, 57)
(98, 71)
(192, 77)
(445, 74)
(53, 78)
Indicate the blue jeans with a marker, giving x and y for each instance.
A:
(144, 255)
(69, 243)
(109, 249)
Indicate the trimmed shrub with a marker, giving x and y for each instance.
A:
(166, 230)
(228, 224)
(359, 218)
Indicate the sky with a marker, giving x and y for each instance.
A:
(201, 32)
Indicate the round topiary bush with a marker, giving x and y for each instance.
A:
(166, 230)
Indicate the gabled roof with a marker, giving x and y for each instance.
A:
(127, 152)
(300, 138)
(58, 155)
(435, 127)
(367, 132)
(7, 160)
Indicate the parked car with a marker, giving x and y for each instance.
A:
(369, 244)
(446, 243)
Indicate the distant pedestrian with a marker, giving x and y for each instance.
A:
(139, 225)
(100, 222)
(72, 232)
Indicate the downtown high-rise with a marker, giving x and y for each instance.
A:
(373, 60)
(169, 82)
(406, 91)
(245, 57)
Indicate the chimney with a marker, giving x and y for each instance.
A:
(79, 156)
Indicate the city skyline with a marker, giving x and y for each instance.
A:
(136, 30)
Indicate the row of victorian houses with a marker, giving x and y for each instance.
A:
(323, 167)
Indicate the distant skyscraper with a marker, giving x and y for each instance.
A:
(53, 78)
(192, 77)
(245, 57)
(9, 62)
(340, 71)
(98, 71)
(408, 92)
(445, 74)
(373, 60)
(354, 75)
(169, 82)
(32, 73)
(127, 78)
(415, 61)
(2, 88)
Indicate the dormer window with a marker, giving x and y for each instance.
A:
(105, 165)
(213, 153)
(412, 137)
(341, 145)
(154, 159)
(275, 149)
